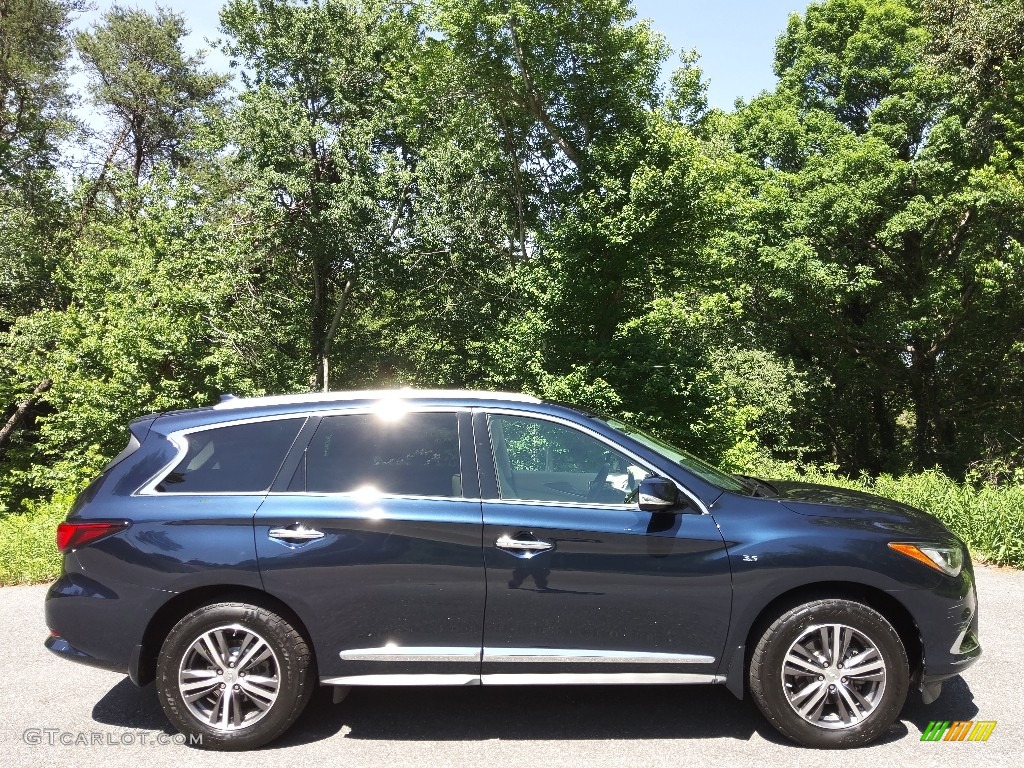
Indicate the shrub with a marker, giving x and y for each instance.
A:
(28, 548)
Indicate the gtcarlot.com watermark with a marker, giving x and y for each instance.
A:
(59, 737)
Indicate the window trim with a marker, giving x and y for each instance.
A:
(492, 479)
(179, 439)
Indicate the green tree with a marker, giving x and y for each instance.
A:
(317, 119)
(152, 93)
(33, 96)
(578, 70)
(386, 201)
(879, 253)
(159, 318)
(627, 192)
(34, 119)
(105, 334)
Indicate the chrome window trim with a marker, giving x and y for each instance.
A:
(571, 505)
(178, 439)
(359, 496)
(643, 463)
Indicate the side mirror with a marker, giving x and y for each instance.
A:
(657, 494)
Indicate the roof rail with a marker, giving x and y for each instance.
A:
(230, 401)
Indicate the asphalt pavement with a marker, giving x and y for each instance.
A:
(56, 713)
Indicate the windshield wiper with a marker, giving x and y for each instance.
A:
(758, 487)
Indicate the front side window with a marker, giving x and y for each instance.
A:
(540, 460)
(242, 458)
(414, 455)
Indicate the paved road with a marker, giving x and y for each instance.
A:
(557, 726)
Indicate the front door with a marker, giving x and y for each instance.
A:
(582, 586)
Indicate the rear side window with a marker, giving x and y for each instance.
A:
(415, 455)
(237, 459)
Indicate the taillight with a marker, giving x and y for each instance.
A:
(78, 535)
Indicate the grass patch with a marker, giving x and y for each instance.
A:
(28, 548)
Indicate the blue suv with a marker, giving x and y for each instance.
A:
(241, 554)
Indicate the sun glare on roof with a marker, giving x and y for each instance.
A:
(391, 409)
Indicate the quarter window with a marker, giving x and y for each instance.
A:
(242, 458)
(414, 455)
(540, 460)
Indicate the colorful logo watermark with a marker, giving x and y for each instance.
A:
(958, 730)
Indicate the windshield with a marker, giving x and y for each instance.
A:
(699, 467)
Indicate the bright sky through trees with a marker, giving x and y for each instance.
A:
(736, 38)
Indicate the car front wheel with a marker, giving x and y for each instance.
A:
(830, 673)
(233, 676)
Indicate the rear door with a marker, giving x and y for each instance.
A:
(372, 535)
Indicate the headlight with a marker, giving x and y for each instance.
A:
(947, 559)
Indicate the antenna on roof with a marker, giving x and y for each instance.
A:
(227, 397)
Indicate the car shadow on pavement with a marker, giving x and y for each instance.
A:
(956, 702)
(128, 706)
(577, 712)
(531, 713)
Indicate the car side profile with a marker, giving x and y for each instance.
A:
(242, 554)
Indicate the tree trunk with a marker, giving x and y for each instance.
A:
(535, 106)
(339, 310)
(886, 427)
(923, 391)
(22, 409)
(317, 325)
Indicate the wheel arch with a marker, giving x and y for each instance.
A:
(884, 603)
(142, 668)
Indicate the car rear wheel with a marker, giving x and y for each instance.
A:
(234, 676)
(830, 673)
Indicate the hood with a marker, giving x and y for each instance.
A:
(829, 501)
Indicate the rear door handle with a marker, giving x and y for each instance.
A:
(296, 533)
(529, 545)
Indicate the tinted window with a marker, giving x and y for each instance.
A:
(539, 460)
(236, 459)
(415, 455)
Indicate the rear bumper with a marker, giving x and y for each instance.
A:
(66, 650)
(94, 624)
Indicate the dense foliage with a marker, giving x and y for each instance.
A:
(520, 195)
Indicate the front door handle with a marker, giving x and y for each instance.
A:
(530, 545)
(296, 533)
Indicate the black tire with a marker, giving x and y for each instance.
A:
(836, 725)
(255, 718)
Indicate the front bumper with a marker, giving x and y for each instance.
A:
(947, 620)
